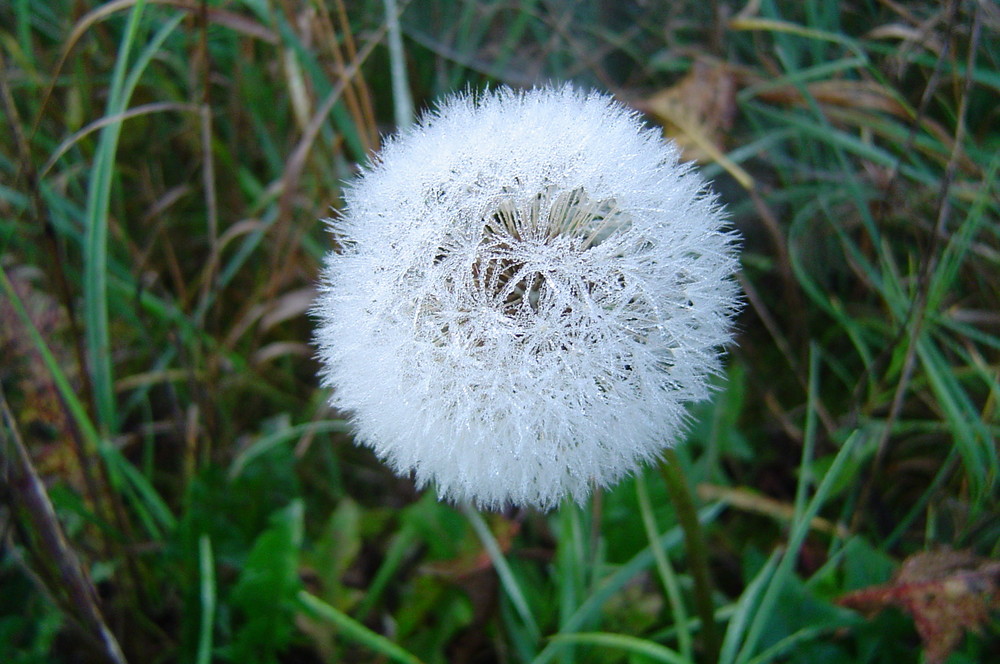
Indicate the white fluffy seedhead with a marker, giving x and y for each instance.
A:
(530, 289)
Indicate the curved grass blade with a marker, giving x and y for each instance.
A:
(354, 630)
(95, 287)
(632, 644)
(268, 443)
(507, 578)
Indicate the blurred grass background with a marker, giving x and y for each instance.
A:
(176, 490)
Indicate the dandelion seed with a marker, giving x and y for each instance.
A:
(529, 291)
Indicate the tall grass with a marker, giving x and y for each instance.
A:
(163, 178)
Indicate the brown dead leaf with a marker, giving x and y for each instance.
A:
(866, 95)
(270, 352)
(289, 305)
(948, 593)
(910, 37)
(751, 501)
(698, 111)
(851, 103)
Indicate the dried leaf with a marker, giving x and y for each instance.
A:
(750, 501)
(290, 305)
(698, 111)
(857, 103)
(948, 593)
(910, 36)
(272, 351)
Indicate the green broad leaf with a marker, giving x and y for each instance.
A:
(264, 596)
(864, 565)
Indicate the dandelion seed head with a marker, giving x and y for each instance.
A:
(530, 289)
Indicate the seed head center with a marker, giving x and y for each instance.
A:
(511, 270)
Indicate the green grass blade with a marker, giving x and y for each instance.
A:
(354, 630)
(96, 241)
(745, 608)
(206, 567)
(22, 10)
(809, 441)
(265, 444)
(153, 509)
(507, 578)
(77, 410)
(798, 534)
(666, 571)
(571, 558)
(788, 643)
(402, 542)
(95, 287)
(591, 607)
(631, 644)
(975, 443)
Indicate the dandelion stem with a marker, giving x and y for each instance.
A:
(697, 551)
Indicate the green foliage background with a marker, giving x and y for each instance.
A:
(162, 174)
